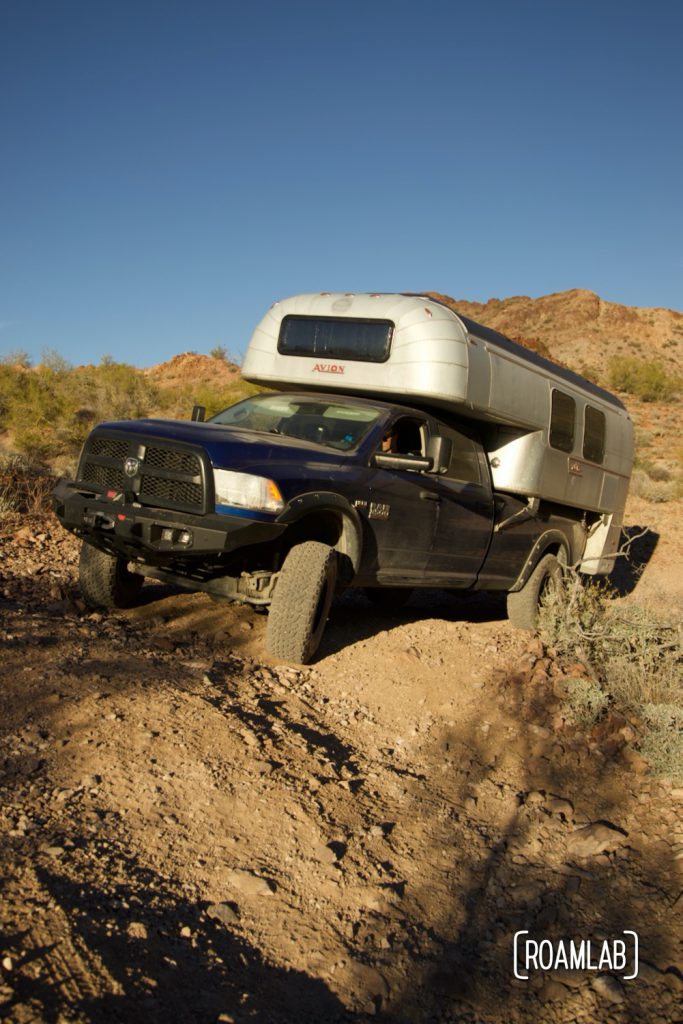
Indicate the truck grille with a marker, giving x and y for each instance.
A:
(166, 477)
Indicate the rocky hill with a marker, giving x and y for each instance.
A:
(191, 367)
(580, 329)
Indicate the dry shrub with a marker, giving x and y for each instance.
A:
(585, 700)
(663, 743)
(634, 658)
(644, 485)
(25, 487)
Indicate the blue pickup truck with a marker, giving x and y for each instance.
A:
(288, 497)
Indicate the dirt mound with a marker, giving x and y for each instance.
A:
(190, 831)
(189, 367)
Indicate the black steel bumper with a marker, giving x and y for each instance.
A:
(154, 534)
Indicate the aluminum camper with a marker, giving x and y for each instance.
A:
(548, 433)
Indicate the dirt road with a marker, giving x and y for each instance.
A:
(191, 832)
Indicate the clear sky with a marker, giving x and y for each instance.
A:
(168, 169)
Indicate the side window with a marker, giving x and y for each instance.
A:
(405, 437)
(594, 434)
(562, 416)
(464, 464)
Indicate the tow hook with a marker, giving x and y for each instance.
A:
(98, 520)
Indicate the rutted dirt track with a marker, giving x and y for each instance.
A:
(191, 832)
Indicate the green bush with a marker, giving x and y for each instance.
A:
(642, 378)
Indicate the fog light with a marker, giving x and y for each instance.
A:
(167, 535)
(185, 537)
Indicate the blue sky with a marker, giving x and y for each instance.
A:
(167, 169)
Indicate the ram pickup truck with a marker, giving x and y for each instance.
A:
(405, 446)
(283, 499)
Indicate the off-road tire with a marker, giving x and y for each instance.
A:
(523, 605)
(389, 599)
(301, 602)
(105, 580)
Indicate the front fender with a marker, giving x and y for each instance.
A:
(350, 541)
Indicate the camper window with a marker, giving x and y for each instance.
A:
(366, 340)
(594, 435)
(562, 421)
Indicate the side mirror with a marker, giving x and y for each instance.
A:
(439, 451)
(414, 463)
(198, 413)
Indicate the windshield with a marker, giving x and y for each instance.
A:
(325, 422)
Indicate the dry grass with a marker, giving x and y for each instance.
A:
(25, 487)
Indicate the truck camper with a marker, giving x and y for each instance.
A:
(404, 446)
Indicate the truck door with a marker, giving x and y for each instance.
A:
(465, 515)
(402, 510)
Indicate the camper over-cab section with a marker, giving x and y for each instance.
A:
(549, 434)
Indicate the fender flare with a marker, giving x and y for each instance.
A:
(350, 542)
(548, 539)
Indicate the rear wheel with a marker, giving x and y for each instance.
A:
(105, 580)
(301, 602)
(523, 605)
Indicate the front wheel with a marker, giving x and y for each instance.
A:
(301, 602)
(105, 580)
(523, 605)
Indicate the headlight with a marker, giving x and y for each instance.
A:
(246, 491)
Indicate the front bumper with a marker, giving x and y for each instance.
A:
(156, 535)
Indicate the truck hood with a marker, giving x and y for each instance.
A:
(228, 447)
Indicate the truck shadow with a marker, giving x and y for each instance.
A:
(354, 619)
(638, 544)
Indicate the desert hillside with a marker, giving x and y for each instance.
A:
(580, 329)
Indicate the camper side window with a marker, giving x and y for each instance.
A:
(562, 415)
(594, 435)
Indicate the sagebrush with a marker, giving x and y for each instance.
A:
(634, 659)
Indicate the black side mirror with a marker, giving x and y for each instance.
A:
(198, 413)
(439, 451)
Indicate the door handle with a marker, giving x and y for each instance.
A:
(430, 496)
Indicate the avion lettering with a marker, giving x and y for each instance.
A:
(328, 368)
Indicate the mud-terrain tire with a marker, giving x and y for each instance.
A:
(301, 602)
(523, 605)
(389, 599)
(105, 580)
